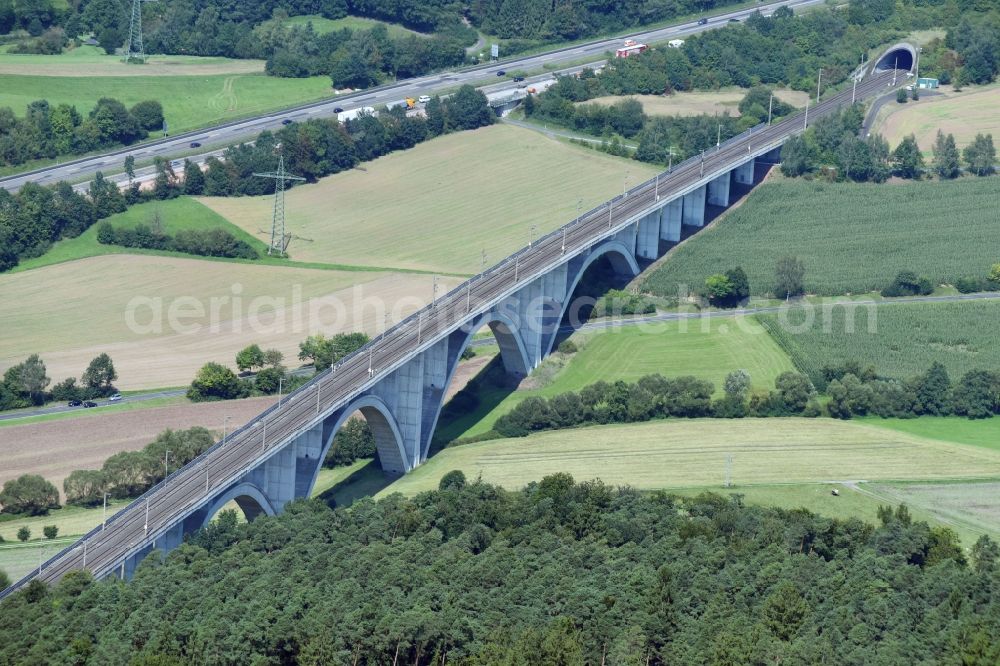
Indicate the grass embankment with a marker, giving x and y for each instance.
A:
(486, 191)
(852, 238)
(708, 349)
(195, 92)
(716, 102)
(324, 25)
(963, 114)
(900, 340)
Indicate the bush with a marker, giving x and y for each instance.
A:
(970, 285)
(29, 494)
(908, 284)
(568, 347)
(215, 382)
(50, 531)
(85, 487)
(269, 380)
(23, 534)
(454, 479)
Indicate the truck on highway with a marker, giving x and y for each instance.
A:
(351, 114)
(630, 48)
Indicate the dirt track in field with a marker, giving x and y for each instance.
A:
(53, 449)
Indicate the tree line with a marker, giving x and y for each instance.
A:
(852, 391)
(661, 139)
(25, 384)
(37, 216)
(559, 572)
(658, 397)
(832, 148)
(46, 131)
(124, 475)
(215, 381)
(202, 242)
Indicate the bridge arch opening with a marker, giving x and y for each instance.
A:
(488, 361)
(364, 430)
(608, 267)
(246, 500)
(900, 56)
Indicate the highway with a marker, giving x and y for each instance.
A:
(243, 130)
(101, 551)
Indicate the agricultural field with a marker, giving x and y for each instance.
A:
(980, 432)
(968, 508)
(963, 114)
(91, 61)
(195, 92)
(53, 449)
(487, 189)
(852, 238)
(902, 340)
(160, 318)
(174, 215)
(697, 103)
(324, 25)
(708, 349)
(686, 453)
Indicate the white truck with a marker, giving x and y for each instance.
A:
(351, 114)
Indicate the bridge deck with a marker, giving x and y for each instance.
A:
(133, 528)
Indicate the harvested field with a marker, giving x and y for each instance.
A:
(56, 448)
(487, 189)
(161, 318)
(963, 114)
(972, 506)
(685, 453)
(88, 62)
(697, 103)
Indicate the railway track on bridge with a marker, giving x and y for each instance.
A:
(107, 547)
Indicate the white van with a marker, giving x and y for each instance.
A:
(423, 99)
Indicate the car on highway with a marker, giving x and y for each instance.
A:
(116, 397)
(423, 99)
(734, 20)
(338, 109)
(703, 21)
(286, 121)
(75, 403)
(90, 403)
(195, 144)
(518, 79)
(500, 72)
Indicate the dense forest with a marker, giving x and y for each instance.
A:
(558, 573)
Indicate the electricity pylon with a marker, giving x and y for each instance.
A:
(134, 48)
(278, 240)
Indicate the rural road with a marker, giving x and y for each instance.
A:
(590, 326)
(242, 130)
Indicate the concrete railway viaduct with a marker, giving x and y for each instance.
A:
(398, 381)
